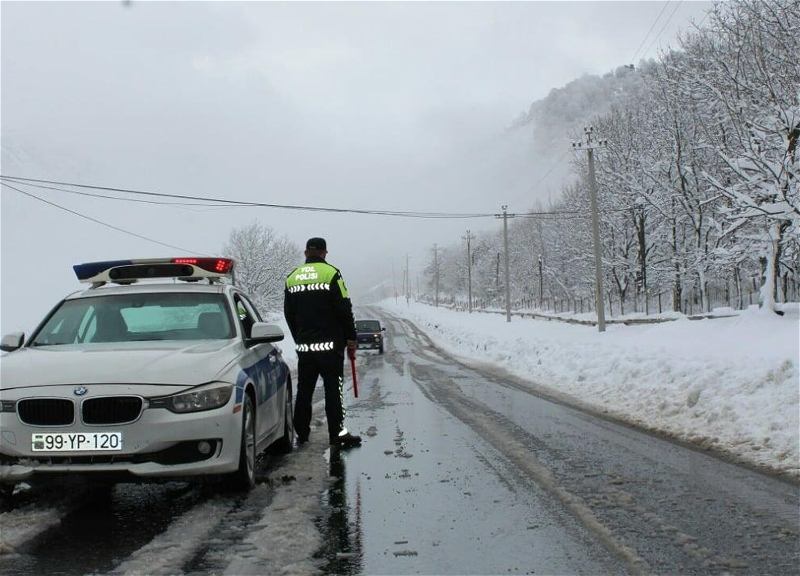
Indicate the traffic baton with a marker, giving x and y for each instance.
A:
(352, 354)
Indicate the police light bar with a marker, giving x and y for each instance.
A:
(127, 271)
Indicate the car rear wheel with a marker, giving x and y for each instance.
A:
(285, 443)
(245, 477)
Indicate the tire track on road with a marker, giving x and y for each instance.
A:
(167, 552)
(440, 389)
(41, 511)
(481, 420)
(106, 523)
(680, 510)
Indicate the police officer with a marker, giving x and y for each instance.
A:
(320, 318)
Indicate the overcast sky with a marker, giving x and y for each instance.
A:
(368, 105)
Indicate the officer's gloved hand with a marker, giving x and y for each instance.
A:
(351, 349)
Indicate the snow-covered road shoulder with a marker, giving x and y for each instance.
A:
(730, 385)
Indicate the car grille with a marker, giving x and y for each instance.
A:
(111, 410)
(46, 411)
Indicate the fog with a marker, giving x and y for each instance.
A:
(348, 105)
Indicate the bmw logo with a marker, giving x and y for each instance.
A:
(80, 390)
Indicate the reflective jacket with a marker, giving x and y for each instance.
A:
(317, 308)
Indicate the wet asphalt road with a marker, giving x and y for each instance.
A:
(103, 525)
(463, 471)
(470, 471)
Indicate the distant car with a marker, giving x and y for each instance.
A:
(370, 334)
(141, 381)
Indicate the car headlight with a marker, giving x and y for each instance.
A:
(205, 398)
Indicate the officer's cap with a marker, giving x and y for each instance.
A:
(316, 244)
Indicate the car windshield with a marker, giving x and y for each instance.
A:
(368, 326)
(137, 317)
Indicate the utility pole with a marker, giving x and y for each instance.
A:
(469, 237)
(640, 219)
(436, 272)
(505, 216)
(394, 283)
(541, 283)
(408, 282)
(590, 146)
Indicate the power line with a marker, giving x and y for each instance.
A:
(397, 213)
(219, 202)
(222, 203)
(704, 19)
(107, 225)
(664, 27)
(543, 178)
(103, 196)
(646, 36)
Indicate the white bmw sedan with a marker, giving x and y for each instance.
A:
(139, 381)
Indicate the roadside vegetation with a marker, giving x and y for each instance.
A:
(699, 184)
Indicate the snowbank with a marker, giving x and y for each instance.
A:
(728, 384)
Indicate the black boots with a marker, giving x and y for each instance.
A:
(346, 440)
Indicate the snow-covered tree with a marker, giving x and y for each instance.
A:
(699, 186)
(263, 259)
(744, 69)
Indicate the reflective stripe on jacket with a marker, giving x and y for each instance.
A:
(317, 307)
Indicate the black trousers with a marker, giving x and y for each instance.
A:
(310, 366)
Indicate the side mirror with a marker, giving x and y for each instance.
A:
(12, 341)
(383, 329)
(263, 332)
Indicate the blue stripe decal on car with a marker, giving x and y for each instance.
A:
(240, 382)
(266, 376)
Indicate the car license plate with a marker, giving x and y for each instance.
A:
(77, 442)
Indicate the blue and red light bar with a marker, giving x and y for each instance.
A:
(220, 265)
(199, 268)
(91, 269)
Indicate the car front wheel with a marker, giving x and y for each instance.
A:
(285, 443)
(245, 477)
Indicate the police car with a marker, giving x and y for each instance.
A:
(142, 380)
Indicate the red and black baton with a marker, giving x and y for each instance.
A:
(352, 354)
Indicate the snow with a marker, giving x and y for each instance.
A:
(281, 539)
(167, 553)
(726, 384)
(21, 526)
(285, 537)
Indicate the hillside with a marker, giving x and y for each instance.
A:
(553, 122)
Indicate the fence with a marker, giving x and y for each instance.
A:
(691, 301)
